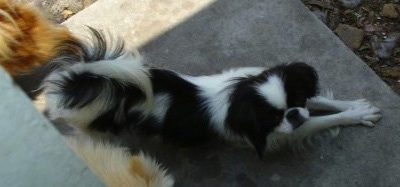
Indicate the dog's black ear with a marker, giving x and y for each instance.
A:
(301, 83)
(249, 123)
(250, 115)
(249, 120)
(259, 143)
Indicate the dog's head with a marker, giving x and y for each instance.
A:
(273, 101)
(255, 126)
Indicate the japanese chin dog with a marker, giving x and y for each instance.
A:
(117, 92)
(29, 42)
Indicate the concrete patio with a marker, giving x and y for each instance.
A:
(203, 37)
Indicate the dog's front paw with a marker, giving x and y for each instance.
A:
(362, 112)
(359, 103)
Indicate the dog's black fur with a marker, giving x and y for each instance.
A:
(187, 117)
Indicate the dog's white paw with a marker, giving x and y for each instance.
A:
(362, 112)
(358, 103)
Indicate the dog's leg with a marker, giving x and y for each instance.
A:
(364, 114)
(327, 104)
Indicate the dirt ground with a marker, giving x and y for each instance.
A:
(371, 28)
(59, 10)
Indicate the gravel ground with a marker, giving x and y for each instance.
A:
(59, 10)
(371, 28)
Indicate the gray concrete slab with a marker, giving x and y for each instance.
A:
(202, 37)
(32, 152)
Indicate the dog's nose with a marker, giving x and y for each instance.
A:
(297, 116)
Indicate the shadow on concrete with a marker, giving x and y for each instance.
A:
(232, 33)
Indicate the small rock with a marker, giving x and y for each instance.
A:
(369, 28)
(350, 3)
(384, 48)
(389, 11)
(391, 72)
(66, 13)
(351, 36)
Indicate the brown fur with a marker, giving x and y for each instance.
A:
(138, 169)
(117, 167)
(27, 39)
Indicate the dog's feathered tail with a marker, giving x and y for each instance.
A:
(27, 39)
(117, 167)
(85, 90)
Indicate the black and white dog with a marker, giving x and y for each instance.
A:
(116, 93)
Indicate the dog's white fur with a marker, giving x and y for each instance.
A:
(349, 113)
(127, 68)
(215, 91)
(274, 92)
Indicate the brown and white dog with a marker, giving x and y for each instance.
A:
(28, 43)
